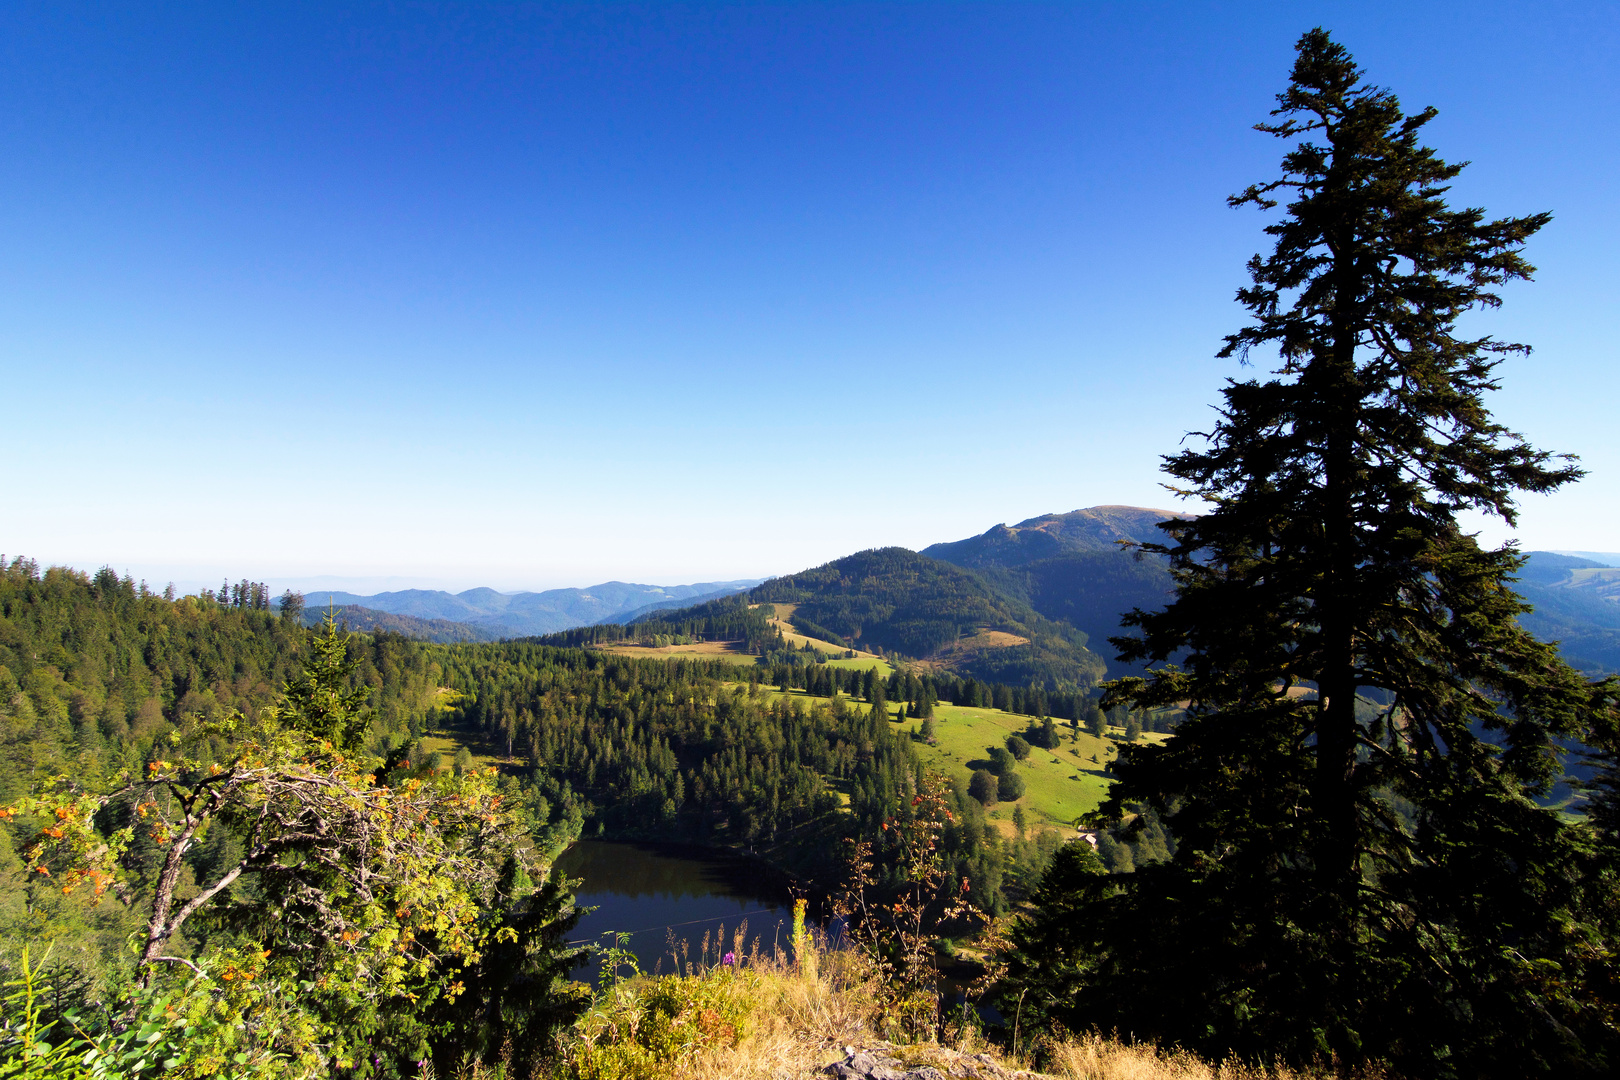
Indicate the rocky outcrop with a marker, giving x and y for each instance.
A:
(885, 1063)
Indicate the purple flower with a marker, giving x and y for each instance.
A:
(729, 959)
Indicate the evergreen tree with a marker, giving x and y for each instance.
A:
(1133, 727)
(1360, 869)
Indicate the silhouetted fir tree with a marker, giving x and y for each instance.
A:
(1376, 882)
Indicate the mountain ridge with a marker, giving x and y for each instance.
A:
(526, 614)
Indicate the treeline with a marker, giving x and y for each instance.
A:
(921, 690)
(244, 594)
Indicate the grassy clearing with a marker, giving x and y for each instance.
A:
(1059, 785)
(702, 650)
(862, 662)
(782, 620)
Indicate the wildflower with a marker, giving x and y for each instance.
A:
(729, 960)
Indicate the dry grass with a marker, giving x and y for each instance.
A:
(798, 1023)
(1091, 1057)
(706, 650)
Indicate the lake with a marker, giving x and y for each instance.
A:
(651, 891)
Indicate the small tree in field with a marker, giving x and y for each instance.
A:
(983, 786)
(1361, 870)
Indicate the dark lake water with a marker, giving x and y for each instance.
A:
(651, 891)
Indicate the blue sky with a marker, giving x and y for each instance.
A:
(531, 295)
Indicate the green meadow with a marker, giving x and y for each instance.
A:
(1059, 785)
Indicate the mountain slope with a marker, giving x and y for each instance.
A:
(369, 621)
(900, 601)
(1071, 567)
(1577, 604)
(1096, 529)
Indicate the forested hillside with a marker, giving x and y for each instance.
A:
(1099, 528)
(368, 620)
(907, 603)
(1073, 568)
(1575, 605)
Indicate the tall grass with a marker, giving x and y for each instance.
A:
(788, 1013)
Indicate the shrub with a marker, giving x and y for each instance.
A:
(1018, 747)
(983, 786)
(1010, 787)
(646, 1031)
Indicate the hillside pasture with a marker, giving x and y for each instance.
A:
(783, 621)
(1059, 785)
(704, 650)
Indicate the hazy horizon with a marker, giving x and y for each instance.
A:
(543, 295)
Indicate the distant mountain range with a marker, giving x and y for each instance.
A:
(496, 615)
(1034, 580)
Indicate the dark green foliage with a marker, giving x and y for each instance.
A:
(515, 1003)
(1133, 727)
(984, 786)
(1001, 761)
(323, 700)
(1044, 735)
(1009, 786)
(1359, 871)
(726, 619)
(93, 670)
(1018, 747)
(1050, 955)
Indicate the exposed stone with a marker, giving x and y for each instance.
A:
(876, 1064)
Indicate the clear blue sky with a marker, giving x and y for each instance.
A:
(530, 295)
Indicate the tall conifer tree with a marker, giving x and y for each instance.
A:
(1361, 870)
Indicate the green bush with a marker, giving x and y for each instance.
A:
(1010, 787)
(643, 1031)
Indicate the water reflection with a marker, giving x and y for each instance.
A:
(651, 891)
